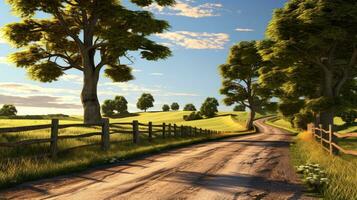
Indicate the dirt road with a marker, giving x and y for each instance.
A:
(246, 167)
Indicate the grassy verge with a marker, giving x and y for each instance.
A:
(340, 170)
(15, 171)
(280, 123)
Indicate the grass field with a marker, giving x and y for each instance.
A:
(341, 170)
(348, 143)
(18, 164)
(281, 123)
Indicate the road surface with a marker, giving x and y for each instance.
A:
(246, 167)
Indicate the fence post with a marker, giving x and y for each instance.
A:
(136, 132)
(169, 131)
(330, 138)
(181, 131)
(321, 141)
(150, 131)
(195, 132)
(105, 134)
(163, 130)
(54, 137)
(175, 131)
(200, 131)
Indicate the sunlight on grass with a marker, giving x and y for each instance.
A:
(20, 164)
(341, 170)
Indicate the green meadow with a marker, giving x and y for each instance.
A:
(23, 163)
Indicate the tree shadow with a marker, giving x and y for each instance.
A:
(229, 183)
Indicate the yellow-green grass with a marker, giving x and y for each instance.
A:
(348, 143)
(18, 164)
(224, 121)
(283, 124)
(30, 122)
(341, 170)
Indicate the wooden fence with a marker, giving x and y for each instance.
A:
(135, 128)
(327, 139)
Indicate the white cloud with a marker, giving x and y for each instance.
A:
(72, 78)
(244, 30)
(185, 8)
(24, 88)
(156, 74)
(137, 70)
(179, 94)
(196, 40)
(130, 87)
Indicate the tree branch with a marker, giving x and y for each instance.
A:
(65, 26)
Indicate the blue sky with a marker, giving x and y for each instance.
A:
(201, 34)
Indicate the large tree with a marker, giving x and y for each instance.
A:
(85, 35)
(240, 79)
(321, 36)
(145, 101)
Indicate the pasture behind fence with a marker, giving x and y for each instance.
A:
(328, 139)
(137, 130)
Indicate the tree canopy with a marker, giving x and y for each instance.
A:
(86, 36)
(313, 46)
(145, 102)
(175, 106)
(189, 107)
(209, 107)
(165, 108)
(240, 79)
(8, 110)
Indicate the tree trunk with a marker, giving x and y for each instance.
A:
(89, 98)
(250, 120)
(326, 116)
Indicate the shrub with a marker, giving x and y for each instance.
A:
(313, 176)
(192, 116)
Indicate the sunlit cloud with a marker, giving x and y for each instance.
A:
(33, 89)
(187, 9)
(73, 78)
(156, 74)
(244, 30)
(196, 40)
(38, 101)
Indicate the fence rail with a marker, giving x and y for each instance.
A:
(134, 128)
(327, 139)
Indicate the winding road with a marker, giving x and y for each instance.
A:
(244, 167)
